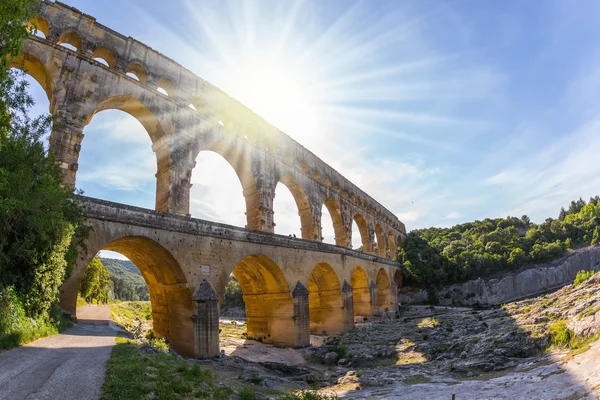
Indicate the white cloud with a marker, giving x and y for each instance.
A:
(453, 215)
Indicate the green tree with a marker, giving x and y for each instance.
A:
(96, 283)
(38, 215)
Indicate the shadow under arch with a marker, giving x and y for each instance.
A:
(269, 306)
(170, 297)
(325, 301)
(384, 290)
(239, 161)
(398, 279)
(363, 228)
(381, 243)
(303, 205)
(338, 222)
(361, 296)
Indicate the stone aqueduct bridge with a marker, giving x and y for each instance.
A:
(289, 284)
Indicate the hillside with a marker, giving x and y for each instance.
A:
(128, 281)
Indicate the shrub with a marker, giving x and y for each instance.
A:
(583, 276)
(560, 335)
(247, 393)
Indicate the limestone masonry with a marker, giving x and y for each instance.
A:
(291, 286)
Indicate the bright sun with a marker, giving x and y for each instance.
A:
(277, 94)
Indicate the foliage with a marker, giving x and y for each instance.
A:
(38, 214)
(128, 284)
(435, 256)
(95, 286)
(247, 393)
(17, 329)
(233, 294)
(133, 374)
(583, 276)
(560, 335)
(134, 316)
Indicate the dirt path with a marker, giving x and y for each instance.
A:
(70, 365)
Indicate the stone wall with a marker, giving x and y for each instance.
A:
(515, 286)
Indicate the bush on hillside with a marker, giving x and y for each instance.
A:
(582, 276)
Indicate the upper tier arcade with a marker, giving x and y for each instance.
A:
(190, 116)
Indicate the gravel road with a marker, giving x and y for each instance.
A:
(70, 365)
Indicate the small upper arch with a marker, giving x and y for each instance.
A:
(39, 25)
(136, 70)
(107, 55)
(168, 86)
(363, 228)
(72, 39)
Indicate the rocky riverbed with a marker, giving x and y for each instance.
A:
(434, 352)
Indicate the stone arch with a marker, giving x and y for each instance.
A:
(136, 68)
(168, 86)
(361, 296)
(170, 297)
(337, 220)
(40, 24)
(107, 55)
(399, 241)
(392, 249)
(304, 210)
(239, 161)
(381, 243)
(72, 38)
(384, 290)
(325, 300)
(363, 228)
(269, 307)
(150, 121)
(31, 65)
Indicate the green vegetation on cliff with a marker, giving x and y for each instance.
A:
(482, 248)
(128, 284)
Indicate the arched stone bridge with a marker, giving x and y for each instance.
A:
(291, 287)
(188, 115)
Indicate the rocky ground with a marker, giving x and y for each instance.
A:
(443, 350)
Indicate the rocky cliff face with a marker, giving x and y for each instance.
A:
(511, 287)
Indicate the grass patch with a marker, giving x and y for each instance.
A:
(16, 329)
(131, 374)
(135, 316)
(582, 276)
(560, 335)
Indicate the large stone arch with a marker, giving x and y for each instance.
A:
(337, 220)
(361, 296)
(325, 300)
(170, 296)
(384, 290)
(363, 228)
(269, 307)
(240, 161)
(31, 64)
(303, 205)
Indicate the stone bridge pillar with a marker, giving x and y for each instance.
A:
(394, 296)
(260, 214)
(65, 142)
(206, 322)
(348, 306)
(374, 294)
(173, 176)
(301, 316)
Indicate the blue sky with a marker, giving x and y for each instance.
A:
(443, 111)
